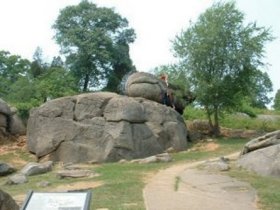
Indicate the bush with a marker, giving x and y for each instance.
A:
(192, 113)
(238, 121)
(24, 108)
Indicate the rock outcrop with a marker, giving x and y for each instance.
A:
(145, 85)
(262, 155)
(7, 202)
(103, 126)
(10, 123)
(6, 169)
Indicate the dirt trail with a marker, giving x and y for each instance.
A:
(182, 187)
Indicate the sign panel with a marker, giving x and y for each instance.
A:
(57, 201)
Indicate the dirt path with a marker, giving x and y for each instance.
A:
(182, 187)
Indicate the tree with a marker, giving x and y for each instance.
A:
(12, 67)
(223, 57)
(56, 82)
(122, 64)
(38, 67)
(178, 83)
(88, 36)
(276, 104)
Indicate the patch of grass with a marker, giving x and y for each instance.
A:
(177, 183)
(226, 146)
(123, 183)
(268, 188)
(17, 157)
(192, 113)
(239, 122)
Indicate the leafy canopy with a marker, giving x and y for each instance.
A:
(222, 56)
(91, 37)
(26, 84)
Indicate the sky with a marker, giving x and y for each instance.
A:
(27, 24)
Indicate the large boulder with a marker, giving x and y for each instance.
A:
(7, 202)
(10, 123)
(102, 127)
(262, 155)
(146, 85)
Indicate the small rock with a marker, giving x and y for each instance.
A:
(17, 179)
(123, 161)
(170, 150)
(6, 169)
(219, 165)
(37, 168)
(43, 184)
(74, 173)
(164, 157)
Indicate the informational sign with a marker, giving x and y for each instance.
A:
(57, 201)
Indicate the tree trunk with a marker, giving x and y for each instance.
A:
(86, 81)
(209, 120)
(216, 128)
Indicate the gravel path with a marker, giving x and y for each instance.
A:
(182, 187)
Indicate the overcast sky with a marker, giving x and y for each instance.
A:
(26, 24)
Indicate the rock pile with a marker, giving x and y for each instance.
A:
(103, 126)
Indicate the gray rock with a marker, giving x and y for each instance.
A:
(17, 179)
(6, 169)
(103, 126)
(10, 123)
(145, 85)
(16, 126)
(37, 168)
(74, 173)
(164, 157)
(265, 161)
(43, 184)
(7, 202)
(262, 155)
(4, 108)
(218, 165)
(266, 140)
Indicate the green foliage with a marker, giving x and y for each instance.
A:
(56, 82)
(222, 57)
(239, 120)
(192, 113)
(25, 84)
(267, 187)
(179, 83)
(176, 75)
(12, 68)
(276, 104)
(95, 41)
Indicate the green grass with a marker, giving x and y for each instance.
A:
(235, 121)
(268, 188)
(17, 154)
(124, 182)
(123, 185)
